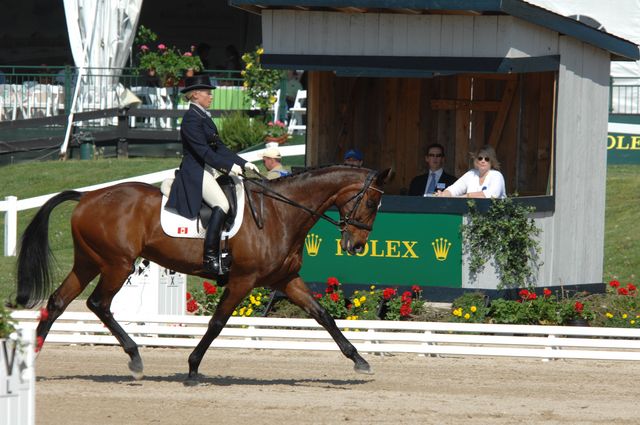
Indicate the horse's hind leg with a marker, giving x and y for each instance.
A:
(82, 273)
(299, 293)
(111, 280)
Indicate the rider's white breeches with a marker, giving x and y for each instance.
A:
(212, 194)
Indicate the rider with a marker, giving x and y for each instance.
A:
(205, 157)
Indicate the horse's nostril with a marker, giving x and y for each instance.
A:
(358, 248)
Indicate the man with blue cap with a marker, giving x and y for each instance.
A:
(353, 157)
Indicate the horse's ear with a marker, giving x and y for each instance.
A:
(382, 177)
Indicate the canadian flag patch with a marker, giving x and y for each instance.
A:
(182, 230)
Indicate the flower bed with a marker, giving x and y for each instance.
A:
(618, 307)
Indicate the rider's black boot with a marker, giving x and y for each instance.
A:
(211, 259)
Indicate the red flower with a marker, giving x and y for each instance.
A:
(524, 294)
(631, 287)
(317, 295)
(546, 292)
(188, 296)
(329, 289)
(416, 288)
(405, 310)
(614, 284)
(578, 306)
(406, 296)
(192, 306)
(332, 281)
(388, 293)
(532, 296)
(623, 291)
(209, 288)
(335, 297)
(44, 314)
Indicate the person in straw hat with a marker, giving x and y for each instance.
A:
(272, 162)
(204, 158)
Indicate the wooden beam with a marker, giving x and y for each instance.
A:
(457, 104)
(463, 117)
(501, 118)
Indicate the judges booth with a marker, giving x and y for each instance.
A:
(389, 78)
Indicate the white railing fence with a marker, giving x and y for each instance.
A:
(369, 336)
(11, 204)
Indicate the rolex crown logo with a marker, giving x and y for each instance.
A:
(441, 248)
(312, 243)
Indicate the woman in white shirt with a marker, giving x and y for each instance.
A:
(484, 181)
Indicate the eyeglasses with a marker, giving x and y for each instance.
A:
(485, 158)
(435, 155)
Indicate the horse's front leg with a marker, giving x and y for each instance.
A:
(299, 293)
(231, 297)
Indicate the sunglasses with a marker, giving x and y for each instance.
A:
(485, 158)
(435, 155)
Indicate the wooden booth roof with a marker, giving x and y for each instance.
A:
(619, 48)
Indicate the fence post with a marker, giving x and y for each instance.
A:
(10, 226)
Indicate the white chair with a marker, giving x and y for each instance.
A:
(298, 110)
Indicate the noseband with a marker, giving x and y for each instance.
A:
(345, 221)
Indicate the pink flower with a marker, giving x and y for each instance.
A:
(144, 48)
(161, 46)
(187, 54)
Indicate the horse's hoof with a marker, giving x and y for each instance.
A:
(135, 366)
(363, 368)
(192, 381)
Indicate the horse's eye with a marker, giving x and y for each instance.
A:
(371, 204)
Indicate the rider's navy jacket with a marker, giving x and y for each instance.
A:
(200, 145)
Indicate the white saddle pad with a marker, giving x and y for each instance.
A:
(177, 226)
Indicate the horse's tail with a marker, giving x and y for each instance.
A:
(34, 277)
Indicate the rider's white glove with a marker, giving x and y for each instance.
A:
(251, 166)
(236, 169)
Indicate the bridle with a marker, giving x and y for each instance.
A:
(347, 220)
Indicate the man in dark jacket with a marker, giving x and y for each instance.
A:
(205, 157)
(436, 179)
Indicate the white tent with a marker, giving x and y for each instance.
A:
(620, 18)
(100, 34)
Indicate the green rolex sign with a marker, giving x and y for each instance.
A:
(403, 249)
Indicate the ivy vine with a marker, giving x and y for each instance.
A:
(506, 235)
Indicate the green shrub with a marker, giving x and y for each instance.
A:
(470, 308)
(238, 131)
(7, 324)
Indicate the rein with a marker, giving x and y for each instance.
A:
(341, 224)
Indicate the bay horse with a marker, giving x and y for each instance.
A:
(113, 226)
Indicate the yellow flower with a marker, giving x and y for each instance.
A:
(372, 287)
(356, 292)
(242, 311)
(249, 65)
(467, 316)
(249, 312)
(356, 302)
(457, 312)
(260, 51)
(243, 73)
(258, 303)
(624, 316)
(473, 309)
(235, 313)
(245, 84)
(272, 99)
(363, 299)
(633, 322)
(609, 315)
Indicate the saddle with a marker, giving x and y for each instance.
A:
(175, 225)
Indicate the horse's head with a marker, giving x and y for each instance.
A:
(358, 206)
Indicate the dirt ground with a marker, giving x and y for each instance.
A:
(92, 385)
